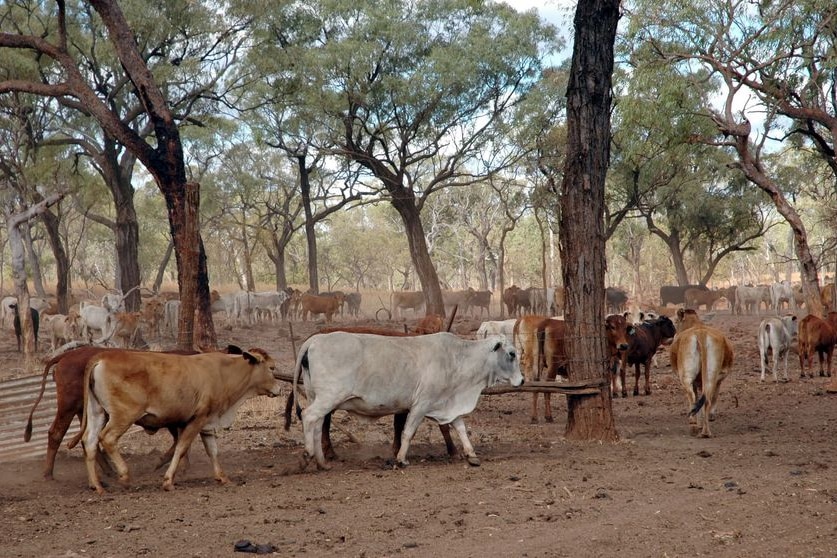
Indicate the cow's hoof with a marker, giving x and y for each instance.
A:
(549, 419)
(168, 486)
(402, 464)
(533, 420)
(473, 461)
(705, 434)
(647, 392)
(625, 394)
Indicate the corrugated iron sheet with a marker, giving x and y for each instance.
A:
(16, 399)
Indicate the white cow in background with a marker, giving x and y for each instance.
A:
(776, 335)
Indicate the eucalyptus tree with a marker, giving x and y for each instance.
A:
(157, 58)
(775, 60)
(416, 94)
(589, 98)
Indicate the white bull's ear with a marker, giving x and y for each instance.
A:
(497, 346)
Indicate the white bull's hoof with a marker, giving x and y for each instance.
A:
(473, 460)
(402, 464)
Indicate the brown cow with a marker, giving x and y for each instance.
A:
(700, 355)
(124, 328)
(527, 337)
(197, 394)
(617, 332)
(695, 298)
(827, 296)
(431, 323)
(399, 419)
(406, 299)
(315, 304)
(69, 387)
(481, 300)
(816, 334)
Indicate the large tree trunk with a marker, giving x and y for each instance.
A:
(310, 235)
(582, 216)
(62, 262)
(420, 255)
(34, 261)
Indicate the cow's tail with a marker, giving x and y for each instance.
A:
(88, 388)
(698, 405)
(301, 361)
(27, 433)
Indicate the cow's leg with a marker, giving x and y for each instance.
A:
(312, 428)
(449, 446)
(534, 418)
(648, 377)
(459, 425)
(411, 424)
(784, 356)
(62, 422)
(184, 439)
(547, 407)
(636, 379)
(95, 422)
(325, 440)
(210, 444)
(109, 440)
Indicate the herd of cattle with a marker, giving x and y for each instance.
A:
(376, 372)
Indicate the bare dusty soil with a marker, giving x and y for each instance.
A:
(765, 485)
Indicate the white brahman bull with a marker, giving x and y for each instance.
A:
(776, 335)
(438, 376)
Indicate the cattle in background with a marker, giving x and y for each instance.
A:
(124, 328)
(523, 301)
(827, 296)
(152, 316)
(528, 337)
(440, 377)
(456, 298)
(34, 319)
(171, 317)
(431, 323)
(618, 332)
(817, 335)
(315, 304)
(94, 318)
(218, 303)
(615, 300)
(7, 313)
(676, 294)
(113, 302)
(701, 356)
(782, 293)
(481, 300)
(63, 328)
(695, 298)
(402, 300)
(353, 304)
(501, 327)
(508, 299)
(557, 307)
(646, 339)
(339, 295)
(776, 335)
(198, 394)
(748, 300)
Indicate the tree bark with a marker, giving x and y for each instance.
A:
(420, 255)
(582, 228)
(310, 234)
(34, 260)
(62, 262)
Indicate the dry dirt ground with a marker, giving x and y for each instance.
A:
(765, 485)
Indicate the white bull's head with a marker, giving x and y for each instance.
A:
(506, 367)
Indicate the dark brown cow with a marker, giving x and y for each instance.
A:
(616, 300)
(481, 300)
(35, 318)
(646, 339)
(509, 299)
(695, 298)
(69, 386)
(315, 304)
(816, 334)
(675, 294)
(399, 419)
